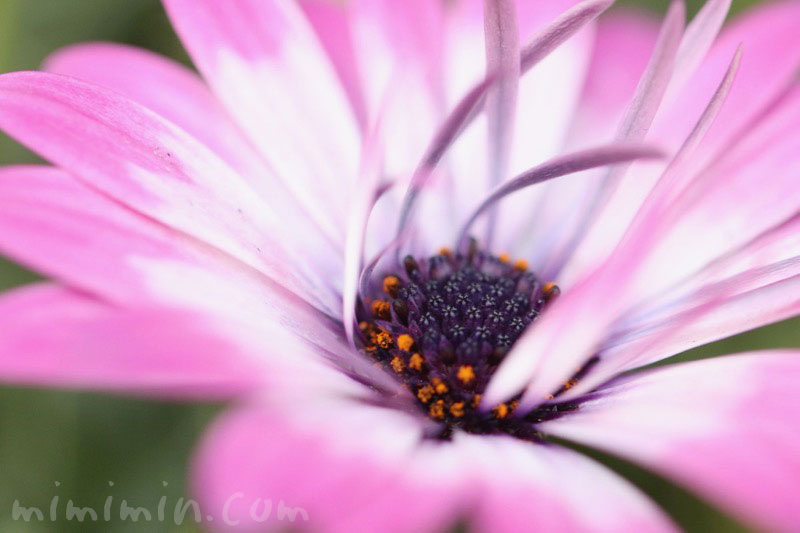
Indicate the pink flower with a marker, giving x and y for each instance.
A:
(217, 242)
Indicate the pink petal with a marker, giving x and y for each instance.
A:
(354, 467)
(721, 427)
(156, 169)
(166, 87)
(269, 70)
(770, 58)
(54, 224)
(58, 337)
(331, 22)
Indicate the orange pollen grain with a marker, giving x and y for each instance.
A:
(390, 285)
(447, 252)
(457, 409)
(416, 362)
(397, 364)
(405, 342)
(520, 265)
(476, 401)
(504, 258)
(384, 340)
(437, 410)
(501, 411)
(439, 386)
(551, 289)
(466, 374)
(381, 309)
(425, 393)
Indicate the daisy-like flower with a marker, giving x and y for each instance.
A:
(273, 235)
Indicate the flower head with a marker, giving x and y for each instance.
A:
(272, 234)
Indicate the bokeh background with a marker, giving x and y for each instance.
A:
(72, 445)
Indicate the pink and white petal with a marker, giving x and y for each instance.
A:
(357, 467)
(722, 427)
(532, 487)
(746, 301)
(768, 62)
(331, 22)
(744, 311)
(166, 87)
(56, 336)
(268, 68)
(151, 166)
(348, 466)
(58, 226)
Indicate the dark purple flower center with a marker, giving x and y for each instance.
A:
(444, 324)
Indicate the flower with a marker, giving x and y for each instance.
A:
(209, 241)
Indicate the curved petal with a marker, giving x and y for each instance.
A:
(164, 86)
(723, 427)
(352, 467)
(148, 164)
(56, 225)
(769, 60)
(58, 337)
(266, 65)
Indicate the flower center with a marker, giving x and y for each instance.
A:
(445, 323)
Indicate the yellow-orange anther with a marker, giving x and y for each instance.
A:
(405, 342)
(439, 386)
(384, 340)
(457, 409)
(437, 410)
(415, 362)
(501, 411)
(520, 265)
(425, 393)
(398, 365)
(551, 290)
(504, 258)
(476, 401)
(391, 285)
(381, 309)
(465, 374)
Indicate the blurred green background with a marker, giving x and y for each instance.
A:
(83, 441)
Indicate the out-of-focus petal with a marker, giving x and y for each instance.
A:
(56, 225)
(153, 167)
(266, 65)
(356, 467)
(55, 336)
(769, 59)
(722, 427)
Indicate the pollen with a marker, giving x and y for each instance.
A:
(445, 252)
(504, 258)
(520, 265)
(439, 386)
(383, 340)
(501, 411)
(551, 290)
(405, 342)
(466, 374)
(437, 410)
(381, 309)
(476, 401)
(457, 409)
(391, 285)
(415, 362)
(398, 365)
(425, 393)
